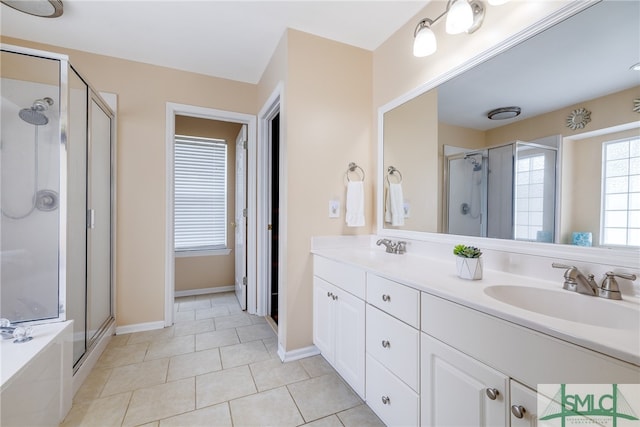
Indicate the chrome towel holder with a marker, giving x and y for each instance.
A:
(354, 168)
(391, 170)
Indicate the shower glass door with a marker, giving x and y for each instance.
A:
(99, 298)
(30, 200)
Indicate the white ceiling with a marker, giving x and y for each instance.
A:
(229, 39)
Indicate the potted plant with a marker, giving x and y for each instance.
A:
(468, 262)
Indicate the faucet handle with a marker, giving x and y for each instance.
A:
(570, 275)
(609, 288)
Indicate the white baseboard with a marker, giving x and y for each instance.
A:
(300, 353)
(204, 291)
(139, 327)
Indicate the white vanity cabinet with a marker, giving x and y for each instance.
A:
(339, 319)
(457, 390)
(524, 403)
(393, 351)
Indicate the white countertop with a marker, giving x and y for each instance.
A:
(437, 277)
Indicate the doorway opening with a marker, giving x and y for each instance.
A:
(274, 155)
(247, 123)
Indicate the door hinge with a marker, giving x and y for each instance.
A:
(244, 281)
(244, 212)
(244, 144)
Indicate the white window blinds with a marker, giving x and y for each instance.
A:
(621, 193)
(200, 193)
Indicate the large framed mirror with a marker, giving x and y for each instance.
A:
(575, 90)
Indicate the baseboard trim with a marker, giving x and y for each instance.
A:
(204, 291)
(300, 353)
(139, 327)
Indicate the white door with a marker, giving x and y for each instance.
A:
(460, 391)
(524, 402)
(241, 218)
(350, 338)
(324, 318)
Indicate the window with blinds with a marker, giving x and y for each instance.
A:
(620, 223)
(200, 194)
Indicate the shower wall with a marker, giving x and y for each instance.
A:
(30, 159)
(56, 251)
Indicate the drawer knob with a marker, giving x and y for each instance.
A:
(386, 344)
(518, 411)
(386, 400)
(386, 298)
(492, 393)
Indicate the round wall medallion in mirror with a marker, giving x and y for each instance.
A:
(578, 119)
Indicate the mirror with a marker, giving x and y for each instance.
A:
(581, 62)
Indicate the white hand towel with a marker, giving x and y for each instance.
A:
(396, 203)
(355, 204)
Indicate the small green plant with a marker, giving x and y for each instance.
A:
(467, 251)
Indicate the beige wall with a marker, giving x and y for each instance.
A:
(328, 125)
(143, 91)
(198, 272)
(411, 135)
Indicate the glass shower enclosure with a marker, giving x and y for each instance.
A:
(56, 196)
(503, 192)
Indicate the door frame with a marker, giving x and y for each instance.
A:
(270, 109)
(172, 110)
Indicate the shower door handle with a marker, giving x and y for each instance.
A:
(91, 218)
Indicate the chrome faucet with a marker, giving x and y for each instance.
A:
(575, 281)
(393, 247)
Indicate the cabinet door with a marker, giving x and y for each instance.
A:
(324, 318)
(350, 339)
(524, 404)
(456, 389)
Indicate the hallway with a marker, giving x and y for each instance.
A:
(217, 366)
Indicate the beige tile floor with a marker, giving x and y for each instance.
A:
(217, 366)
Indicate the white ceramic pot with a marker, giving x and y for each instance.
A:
(469, 268)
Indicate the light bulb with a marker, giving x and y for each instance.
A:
(459, 17)
(425, 42)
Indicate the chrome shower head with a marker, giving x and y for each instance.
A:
(34, 115)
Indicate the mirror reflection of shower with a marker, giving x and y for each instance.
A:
(43, 200)
(466, 195)
(504, 192)
(473, 206)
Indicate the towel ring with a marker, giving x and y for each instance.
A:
(353, 168)
(392, 171)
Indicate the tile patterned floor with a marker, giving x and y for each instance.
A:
(217, 366)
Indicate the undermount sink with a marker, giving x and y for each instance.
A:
(568, 306)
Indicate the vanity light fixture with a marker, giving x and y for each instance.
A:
(42, 8)
(504, 113)
(497, 2)
(462, 16)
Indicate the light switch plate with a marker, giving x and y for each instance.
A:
(334, 208)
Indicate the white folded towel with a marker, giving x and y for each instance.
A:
(355, 204)
(394, 205)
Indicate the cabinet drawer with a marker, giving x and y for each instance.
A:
(402, 404)
(398, 300)
(346, 277)
(394, 344)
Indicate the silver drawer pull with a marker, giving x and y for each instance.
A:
(386, 344)
(386, 400)
(386, 298)
(492, 393)
(518, 411)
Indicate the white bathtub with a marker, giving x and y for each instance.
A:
(36, 377)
